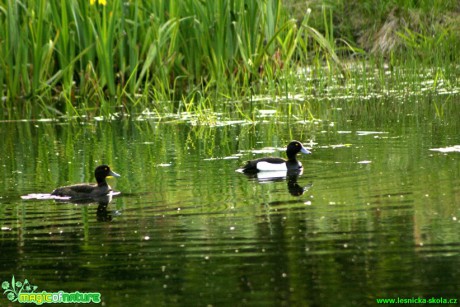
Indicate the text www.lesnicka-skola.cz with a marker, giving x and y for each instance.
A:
(417, 300)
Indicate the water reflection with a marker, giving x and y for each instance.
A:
(102, 214)
(291, 177)
(193, 230)
(103, 201)
(294, 188)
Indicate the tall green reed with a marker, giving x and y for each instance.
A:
(76, 56)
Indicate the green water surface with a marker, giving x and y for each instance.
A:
(375, 214)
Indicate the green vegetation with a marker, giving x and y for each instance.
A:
(75, 57)
(427, 31)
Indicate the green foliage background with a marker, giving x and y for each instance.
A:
(73, 58)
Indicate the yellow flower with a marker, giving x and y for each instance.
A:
(101, 2)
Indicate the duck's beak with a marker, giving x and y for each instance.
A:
(112, 173)
(305, 151)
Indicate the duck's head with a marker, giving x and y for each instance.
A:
(103, 171)
(294, 148)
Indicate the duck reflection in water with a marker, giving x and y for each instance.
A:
(102, 214)
(103, 202)
(291, 176)
(293, 187)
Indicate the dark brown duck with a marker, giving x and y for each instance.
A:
(88, 190)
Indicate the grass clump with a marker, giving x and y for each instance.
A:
(78, 56)
(426, 31)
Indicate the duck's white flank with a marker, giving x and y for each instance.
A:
(266, 166)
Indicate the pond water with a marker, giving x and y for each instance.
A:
(375, 213)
